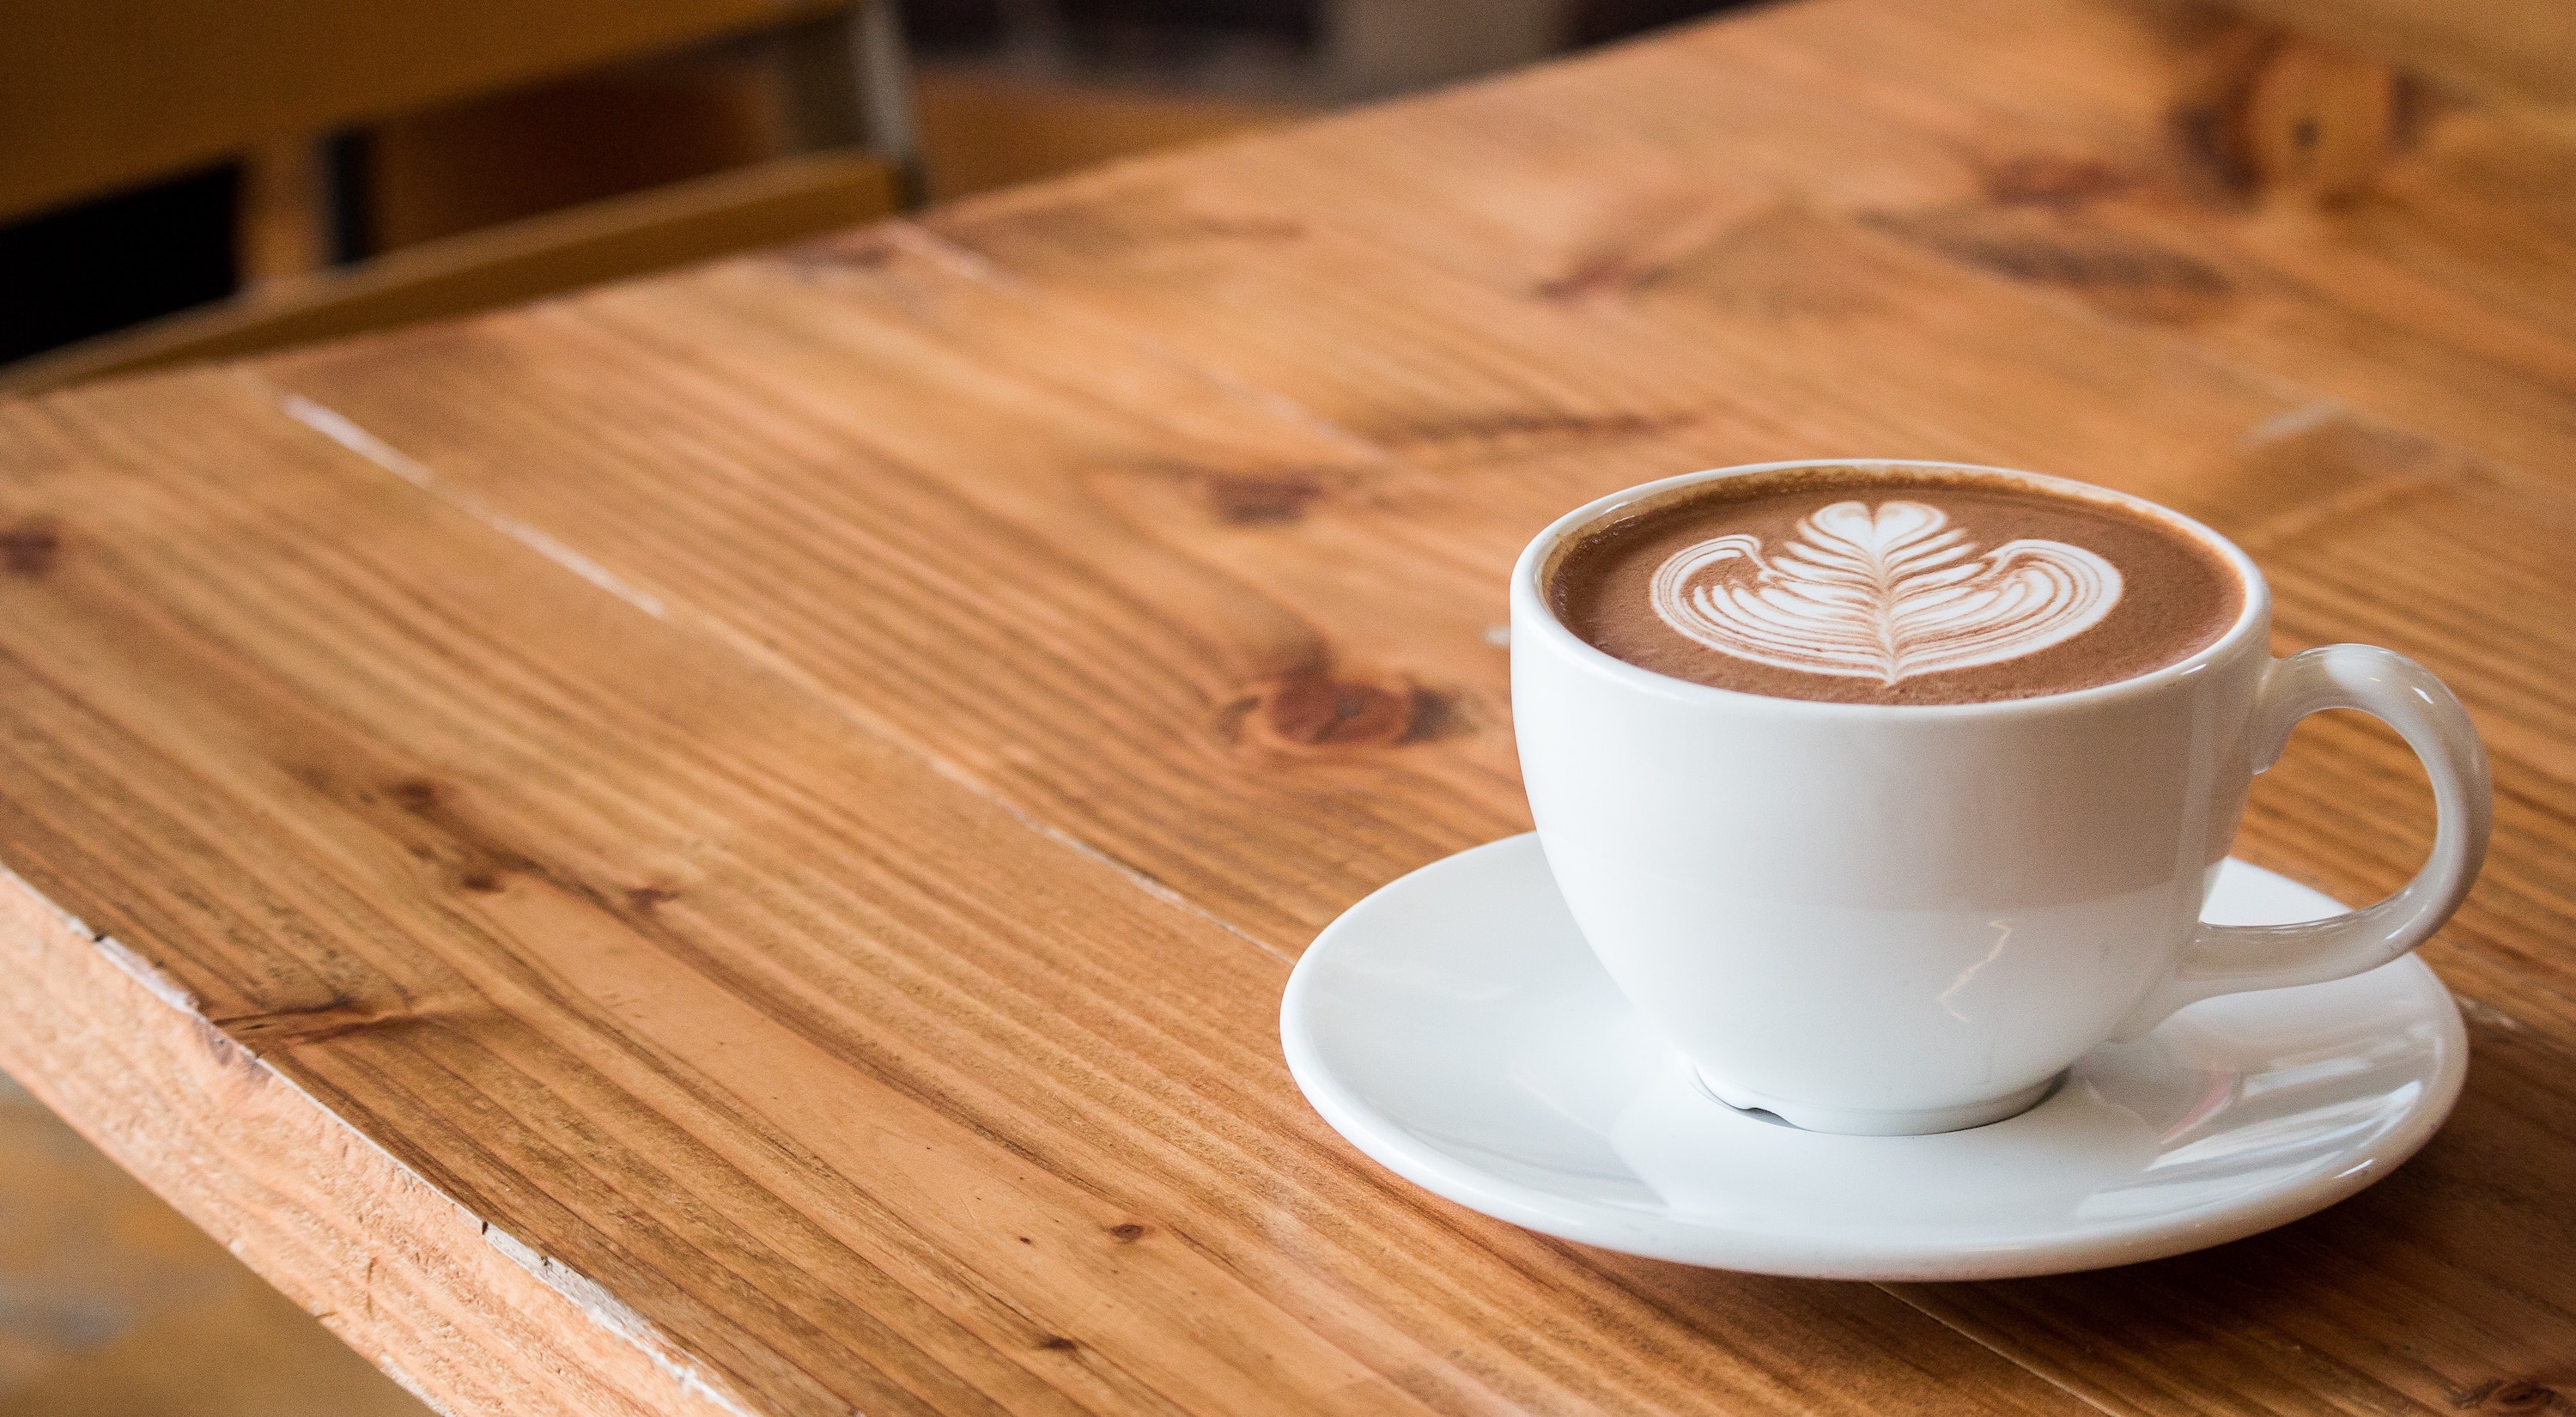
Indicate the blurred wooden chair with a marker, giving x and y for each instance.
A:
(100, 95)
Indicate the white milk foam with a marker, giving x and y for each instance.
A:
(1885, 594)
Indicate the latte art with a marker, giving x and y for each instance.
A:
(1882, 594)
(1894, 584)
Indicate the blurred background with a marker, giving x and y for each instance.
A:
(293, 170)
(185, 179)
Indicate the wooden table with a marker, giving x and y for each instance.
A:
(731, 844)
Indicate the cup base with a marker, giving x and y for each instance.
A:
(1874, 1122)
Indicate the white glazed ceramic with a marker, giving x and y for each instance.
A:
(1909, 919)
(1455, 1027)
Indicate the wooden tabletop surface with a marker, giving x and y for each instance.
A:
(731, 844)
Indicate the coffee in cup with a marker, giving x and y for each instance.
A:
(1915, 587)
(1886, 790)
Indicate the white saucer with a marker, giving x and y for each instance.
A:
(1454, 1027)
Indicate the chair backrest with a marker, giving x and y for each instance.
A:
(96, 95)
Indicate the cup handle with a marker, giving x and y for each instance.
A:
(2229, 959)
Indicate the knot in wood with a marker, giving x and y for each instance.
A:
(28, 548)
(1321, 710)
(1261, 498)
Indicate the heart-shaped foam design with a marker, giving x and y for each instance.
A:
(1885, 594)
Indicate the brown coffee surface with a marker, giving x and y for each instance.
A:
(1901, 586)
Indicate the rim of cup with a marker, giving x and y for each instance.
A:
(1531, 610)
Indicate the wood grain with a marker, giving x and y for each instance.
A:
(2514, 49)
(394, 1266)
(824, 1077)
(790, 789)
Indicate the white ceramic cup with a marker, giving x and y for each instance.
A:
(1904, 919)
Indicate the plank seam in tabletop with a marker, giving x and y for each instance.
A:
(2091, 317)
(330, 424)
(594, 1302)
(348, 434)
(2166, 343)
(2305, 408)
(588, 1295)
(1268, 411)
(1541, 1336)
(1274, 403)
(1905, 1295)
(337, 427)
(2261, 268)
(2057, 1335)
(1952, 1321)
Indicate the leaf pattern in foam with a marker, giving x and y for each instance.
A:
(1882, 594)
